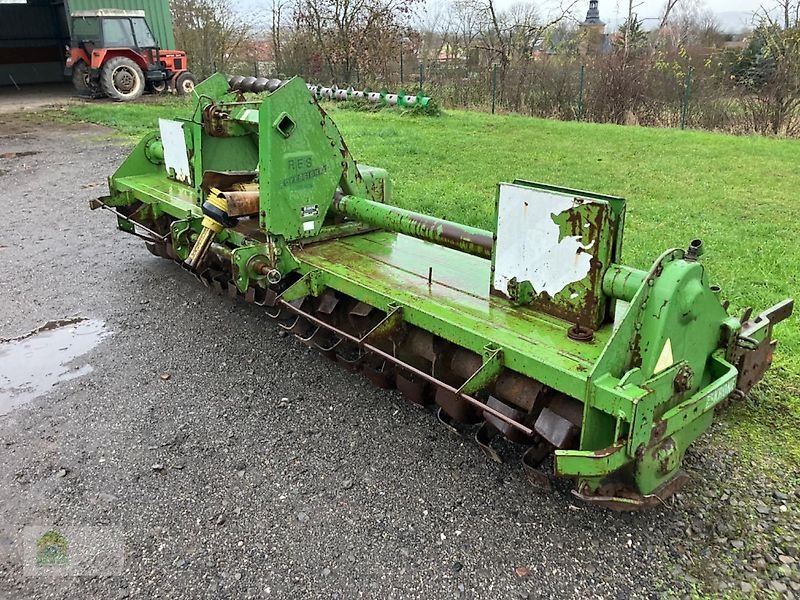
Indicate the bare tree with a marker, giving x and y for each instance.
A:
(212, 35)
(351, 34)
(632, 17)
(277, 26)
(782, 13)
(669, 6)
(434, 24)
(692, 26)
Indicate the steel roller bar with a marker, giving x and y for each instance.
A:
(399, 363)
(471, 240)
(240, 83)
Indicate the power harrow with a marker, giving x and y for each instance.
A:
(535, 333)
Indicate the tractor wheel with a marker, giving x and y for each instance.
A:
(82, 81)
(122, 79)
(158, 87)
(184, 84)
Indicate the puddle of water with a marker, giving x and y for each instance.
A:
(32, 364)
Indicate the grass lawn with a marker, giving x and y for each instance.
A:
(735, 193)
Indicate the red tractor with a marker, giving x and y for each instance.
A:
(114, 53)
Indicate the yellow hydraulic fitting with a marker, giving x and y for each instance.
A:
(215, 219)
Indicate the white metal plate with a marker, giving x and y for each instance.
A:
(176, 158)
(528, 247)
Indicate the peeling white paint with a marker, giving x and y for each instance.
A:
(620, 310)
(175, 155)
(665, 359)
(528, 245)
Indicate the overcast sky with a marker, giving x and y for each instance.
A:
(653, 8)
(731, 13)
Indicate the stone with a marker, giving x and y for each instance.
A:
(778, 587)
(746, 587)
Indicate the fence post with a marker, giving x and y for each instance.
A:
(421, 72)
(494, 86)
(580, 93)
(687, 94)
(401, 65)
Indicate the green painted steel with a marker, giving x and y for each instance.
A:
(471, 240)
(647, 355)
(157, 15)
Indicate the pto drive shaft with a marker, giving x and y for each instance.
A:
(215, 219)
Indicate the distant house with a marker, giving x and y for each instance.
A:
(734, 44)
(260, 57)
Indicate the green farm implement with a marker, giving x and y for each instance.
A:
(321, 92)
(535, 333)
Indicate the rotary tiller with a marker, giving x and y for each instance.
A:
(535, 333)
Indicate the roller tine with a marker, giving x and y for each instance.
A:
(290, 327)
(250, 295)
(531, 460)
(354, 361)
(484, 436)
(196, 274)
(445, 420)
(331, 347)
(300, 327)
(309, 338)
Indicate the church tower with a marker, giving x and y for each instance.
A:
(593, 31)
(593, 15)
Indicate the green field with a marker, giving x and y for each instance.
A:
(735, 193)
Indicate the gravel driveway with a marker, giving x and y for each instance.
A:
(229, 461)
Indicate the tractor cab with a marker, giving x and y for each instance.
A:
(114, 53)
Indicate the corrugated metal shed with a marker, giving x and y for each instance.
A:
(32, 38)
(158, 15)
(33, 35)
